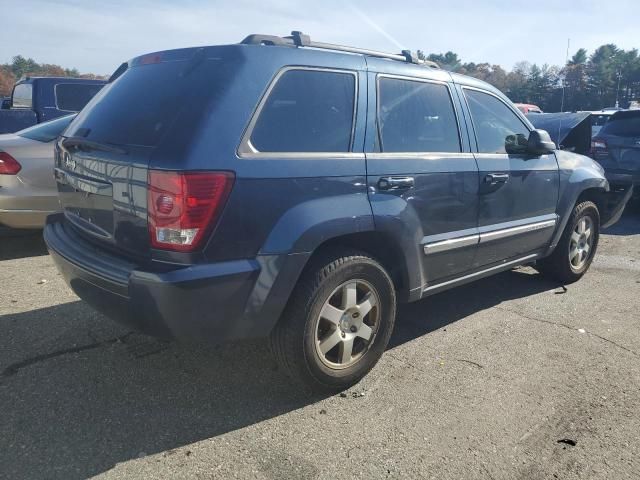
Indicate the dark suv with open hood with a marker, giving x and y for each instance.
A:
(298, 190)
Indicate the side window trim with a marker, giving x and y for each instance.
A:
(456, 115)
(516, 112)
(247, 150)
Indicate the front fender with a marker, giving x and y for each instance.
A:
(307, 225)
(577, 174)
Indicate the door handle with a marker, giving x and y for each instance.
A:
(496, 178)
(395, 183)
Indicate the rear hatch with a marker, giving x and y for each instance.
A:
(620, 138)
(154, 105)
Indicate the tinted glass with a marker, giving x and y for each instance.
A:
(623, 126)
(416, 117)
(307, 111)
(496, 125)
(141, 105)
(22, 95)
(74, 96)
(47, 131)
(599, 120)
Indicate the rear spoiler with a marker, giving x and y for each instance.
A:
(119, 71)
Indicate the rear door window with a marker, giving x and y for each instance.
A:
(495, 124)
(416, 116)
(307, 111)
(72, 97)
(23, 96)
(623, 126)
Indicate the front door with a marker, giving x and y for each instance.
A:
(422, 177)
(518, 192)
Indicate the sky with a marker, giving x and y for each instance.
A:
(97, 36)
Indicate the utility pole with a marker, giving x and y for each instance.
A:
(618, 89)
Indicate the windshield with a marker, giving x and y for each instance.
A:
(623, 126)
(47, 131)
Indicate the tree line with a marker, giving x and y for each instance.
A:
(591, 82)
(20, 67)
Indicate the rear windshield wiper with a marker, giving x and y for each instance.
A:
(83, 142)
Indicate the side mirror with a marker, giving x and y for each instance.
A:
(540, 143)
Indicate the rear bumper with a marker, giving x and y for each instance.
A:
(23, 218)
(613, 202)
(25, 210)
(617, 176)
(216, 302)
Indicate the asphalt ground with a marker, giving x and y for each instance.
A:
(511, 377)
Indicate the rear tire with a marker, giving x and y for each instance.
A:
(574, 253)
(337, 323)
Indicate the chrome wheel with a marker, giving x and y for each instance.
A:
(347, 324)
(581, 242)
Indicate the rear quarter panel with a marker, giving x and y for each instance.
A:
(281, 204)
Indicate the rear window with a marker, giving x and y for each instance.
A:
(623, 126)
(599, 120)
(72, 97)
(307, 111)
(22, 95)
(47, 131)
(140, 106)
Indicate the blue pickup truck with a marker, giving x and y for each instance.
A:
(40, 99)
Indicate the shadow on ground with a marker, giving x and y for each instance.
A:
(21, 243)
(629, 224)
(75, 407)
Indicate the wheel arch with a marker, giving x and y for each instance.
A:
(380, 247)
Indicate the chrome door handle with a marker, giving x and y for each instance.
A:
(495, 178)
(395, 183)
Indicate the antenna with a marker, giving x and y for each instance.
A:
(566, 62)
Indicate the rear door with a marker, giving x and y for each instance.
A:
(422, 177)
(518, 192)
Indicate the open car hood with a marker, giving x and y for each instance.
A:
(570, 131)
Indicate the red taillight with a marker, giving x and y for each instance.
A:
(599, 147)
(183, 207)
(8, 164)
(150, 58)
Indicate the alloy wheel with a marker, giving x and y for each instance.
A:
(581, 242)
(347, 324)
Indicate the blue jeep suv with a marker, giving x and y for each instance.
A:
(298, 190)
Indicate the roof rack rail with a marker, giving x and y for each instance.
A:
(299, 39)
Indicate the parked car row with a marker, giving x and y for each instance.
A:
(615, 146)
(287, 189)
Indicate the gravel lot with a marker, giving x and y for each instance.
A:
(512, 377)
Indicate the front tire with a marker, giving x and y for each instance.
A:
(337, 323)
(574, 253)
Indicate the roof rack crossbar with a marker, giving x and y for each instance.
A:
(299, 39)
